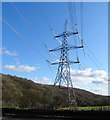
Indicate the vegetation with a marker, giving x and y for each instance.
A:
(95, 108)
(25, 94)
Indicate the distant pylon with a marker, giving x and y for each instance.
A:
(63, 77)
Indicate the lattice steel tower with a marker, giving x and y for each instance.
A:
(63, 76)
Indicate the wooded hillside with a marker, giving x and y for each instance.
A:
(23, 93)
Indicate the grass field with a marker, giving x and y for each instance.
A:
(95, 108)
(64, 114)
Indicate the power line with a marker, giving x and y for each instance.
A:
(73, 19)
(21, 37)
(94, 59)
(49, 26)
(71, 14)
(81, 17)
(27, 22)
(29, 25)
(26, 42)
(71, 6)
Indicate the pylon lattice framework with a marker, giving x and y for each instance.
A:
(63, 73)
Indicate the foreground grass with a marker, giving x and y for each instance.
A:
(96, 108)
(64, 114)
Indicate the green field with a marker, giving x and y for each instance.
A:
(97, 108)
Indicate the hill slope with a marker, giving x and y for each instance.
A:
(22, 93)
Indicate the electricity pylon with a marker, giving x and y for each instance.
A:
(63, 73)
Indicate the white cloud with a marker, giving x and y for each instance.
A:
(87, 79)
(7, 52)
(94, 81)
(43, 80)
(98, 77)
(20, 68)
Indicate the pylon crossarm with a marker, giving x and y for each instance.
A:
(66, 34)
(72, 62)
(56, 49)
(74, 47)
(65, 62)
(68, 48)
(72, 33)
(59, 36)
